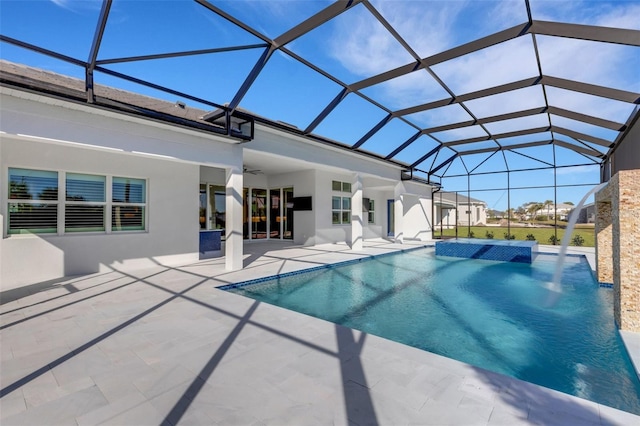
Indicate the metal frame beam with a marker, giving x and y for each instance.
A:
(444, 163)
(586, 32)
(426, 156)
(589, 119)
(405, 144)
(505, 147)
(237, 22)
(592, 89)
(471, 96)
(327, 110)
(95, 48)
(497, 136)
(373, 131)
(251, 77)
(530, 157)
(158, 87)
(315, 21)
(464, 49)
(583, 136)
(578, 149)
(527, 145)
(42, 50)
(180, 54)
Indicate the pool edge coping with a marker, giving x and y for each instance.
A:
(226, 287)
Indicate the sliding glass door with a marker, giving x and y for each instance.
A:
(212, 207)
(258, 214)
(268, 214)
(287, 216)
(275, 218)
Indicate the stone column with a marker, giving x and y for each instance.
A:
(604, 242)
(357, 220)
(625, 202)
(233, 218)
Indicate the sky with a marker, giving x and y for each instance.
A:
(352, 47)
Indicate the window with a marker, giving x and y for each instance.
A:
(341, 186)
(85, 203)
(341, 206)
(49, 202)
(341, 210)
(33, 202)
(129, 203)
(371, 215)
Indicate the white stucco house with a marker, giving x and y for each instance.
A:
(453, 209)
(561, 210)
(131, 181)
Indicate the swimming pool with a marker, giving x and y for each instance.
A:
(496, 315)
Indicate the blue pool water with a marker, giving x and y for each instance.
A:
(496, 315)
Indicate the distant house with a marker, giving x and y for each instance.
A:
(455, 209)
(587, 214)
(561, 210)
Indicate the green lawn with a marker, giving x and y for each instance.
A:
(541, 234)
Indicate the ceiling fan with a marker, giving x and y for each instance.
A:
(251, 171)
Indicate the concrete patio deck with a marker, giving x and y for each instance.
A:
(162, 346)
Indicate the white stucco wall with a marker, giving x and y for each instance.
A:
(270, 141)
(49, 134)
(478, 215)
(212, 175)
(172, 235)
(417, 211)
(326, 232)
(63, 122)
(378, 228)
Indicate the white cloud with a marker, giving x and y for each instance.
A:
(365, 48)
(500, 64)
(61, 3)
(591, 62)
(78, 6)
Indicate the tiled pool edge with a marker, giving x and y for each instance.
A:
(231, 286)
(318, 268)
(488, 249)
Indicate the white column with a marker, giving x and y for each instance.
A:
(357, 219)
(398, 207)
(233, 226)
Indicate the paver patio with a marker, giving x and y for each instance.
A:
(162, 346)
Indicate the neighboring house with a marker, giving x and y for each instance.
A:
(129, 181)
(587, 214)
(561, 210)
(453, 209)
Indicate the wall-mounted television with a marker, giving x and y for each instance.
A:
(302, 203)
